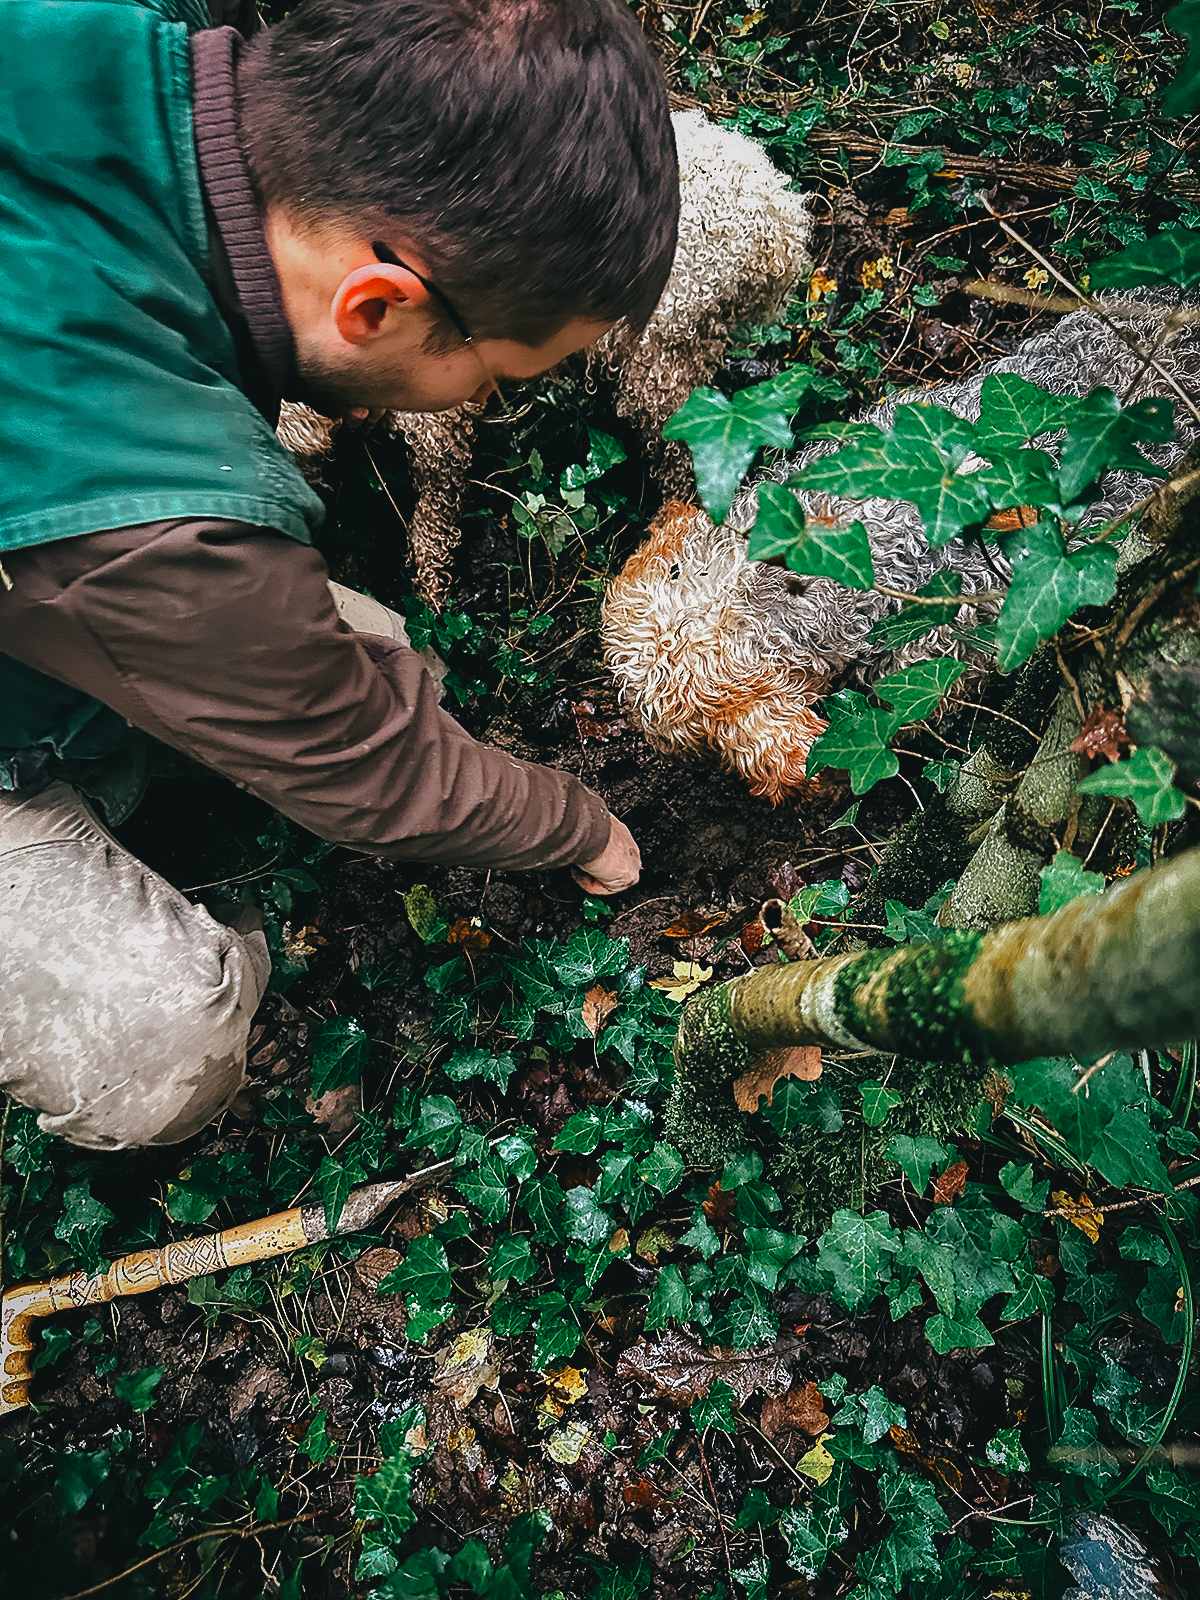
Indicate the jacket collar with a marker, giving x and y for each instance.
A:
(245, 284)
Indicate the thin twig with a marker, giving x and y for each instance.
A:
(1091, 1071)
(716, 1508)
(194, 1538)
(948, 603)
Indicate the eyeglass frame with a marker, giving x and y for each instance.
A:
(388, 258)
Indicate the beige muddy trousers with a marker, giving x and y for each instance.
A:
(124, 1009)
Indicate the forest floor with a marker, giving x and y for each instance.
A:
(552, 1347)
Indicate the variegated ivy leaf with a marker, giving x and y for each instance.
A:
(725, 435)
(782, 529)
(1048, 585)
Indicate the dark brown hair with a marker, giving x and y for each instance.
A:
(525, 145)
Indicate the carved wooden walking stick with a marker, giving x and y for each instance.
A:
(144, 1270)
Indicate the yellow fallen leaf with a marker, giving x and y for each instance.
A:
(689, 975)
(1036, 277)
(568, 1383)
(818, 1463)
(1086, 1220)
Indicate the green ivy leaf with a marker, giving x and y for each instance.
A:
(438, 1126)
(918, 460)
(797, 1104)
(468, 1063)
(1065, 880)
(339, 1056)
(486, 1188)
(671, 1300)
(1103, 434)
(1006, 1452)
(80, 1473)
(858, 744)
(137, 1388)
(1032, 1295)
(811, 1535)
(1182, 97)
(316, 1443)
(756, 1511)
(511, 1257)
(877, 1101)
(662, 1168)
(586, 1220)
(725, 435)
(556, 1334)
(914, 692)
(1012, 410)
(1172, 256)
(855, 1253)
(948, 1333)
(712, 1410)
(581, 1133)
(1048, 586)
(917, 1155)
(384, 1497)
(542, 1201)
(1078, 1450)
(1147, 779)
(424, 1272)
(782, 529)
(701, 1235)
(1018, 1182)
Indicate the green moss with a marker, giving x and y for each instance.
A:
(817, 1172)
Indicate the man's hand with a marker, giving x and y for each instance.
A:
(617, 868)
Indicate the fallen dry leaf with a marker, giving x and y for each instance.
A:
(461, 1369)
(802, 1410)
(468, 934)
(1102, 734)
(817, 1464)
(568, 1384)
(1089, 1224)
(599, 1004)
(752, 936)
(950, 1185)
(795, 1061)
(693, 923)
(373, 1266)
(589, 725)
(689, 975)
(718, 1208)
(679, 1371)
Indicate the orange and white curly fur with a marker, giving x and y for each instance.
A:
(700, 656)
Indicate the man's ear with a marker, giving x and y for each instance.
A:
(363, 297)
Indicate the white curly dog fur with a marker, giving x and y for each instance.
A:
(719, 655)
(743, 247)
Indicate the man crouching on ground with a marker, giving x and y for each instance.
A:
(377, 203)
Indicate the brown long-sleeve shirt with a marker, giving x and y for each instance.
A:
(222, 641)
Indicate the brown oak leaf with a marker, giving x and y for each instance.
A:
(718, 1208)
(796, 1061)
(1102, 734)
(802, 1410)
(950, 1185)
(599, 1004)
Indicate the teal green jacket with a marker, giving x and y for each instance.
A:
(120, 398)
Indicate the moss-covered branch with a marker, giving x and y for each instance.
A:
(1106, 972)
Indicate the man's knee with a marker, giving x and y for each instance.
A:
(128, 1008)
